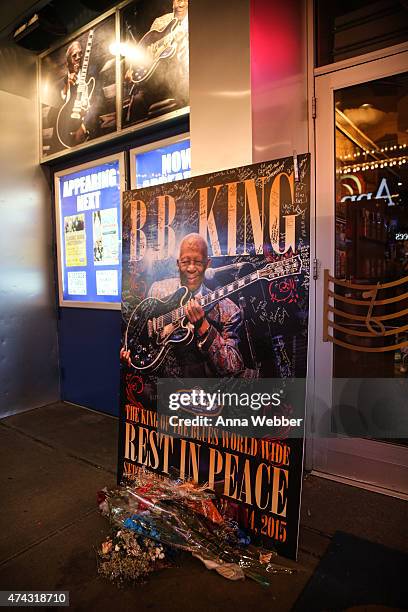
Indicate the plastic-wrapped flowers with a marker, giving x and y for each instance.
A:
(154, 516)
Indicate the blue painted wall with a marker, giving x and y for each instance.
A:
(89, 344)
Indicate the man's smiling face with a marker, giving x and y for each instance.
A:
(193, 262)
(180, 8)
(75, 57)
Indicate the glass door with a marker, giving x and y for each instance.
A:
(361, 343)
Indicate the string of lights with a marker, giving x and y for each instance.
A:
(372, 165)
(373, 151)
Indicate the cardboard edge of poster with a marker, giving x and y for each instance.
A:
(120, 157)
(133, 153)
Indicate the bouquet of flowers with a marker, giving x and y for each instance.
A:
(124, 557)
(180, 515)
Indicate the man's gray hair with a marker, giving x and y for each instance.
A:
(195, 240)
(74, 43)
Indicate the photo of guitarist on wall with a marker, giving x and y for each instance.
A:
(156, 61)
(78, 90)
(68, 132)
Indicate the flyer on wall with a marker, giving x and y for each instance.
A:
(106, 237)
(215, 296)
(75, 240)
(78, 90)
(155, 66)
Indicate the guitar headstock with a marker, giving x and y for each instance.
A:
(284, 267)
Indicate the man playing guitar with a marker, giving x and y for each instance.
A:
(74, 58)
(214, 350)
(161, 79)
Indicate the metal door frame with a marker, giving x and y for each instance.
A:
(370, 464)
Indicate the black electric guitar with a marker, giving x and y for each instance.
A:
(156, 325)
(155, 46)
(77, 102)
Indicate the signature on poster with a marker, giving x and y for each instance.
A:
(138, 288)
(260, 308)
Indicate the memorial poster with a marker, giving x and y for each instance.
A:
(215, 298)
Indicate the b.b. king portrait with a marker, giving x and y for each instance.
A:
(78, 90)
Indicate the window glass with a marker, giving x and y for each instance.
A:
(372, 226)
(346, 28)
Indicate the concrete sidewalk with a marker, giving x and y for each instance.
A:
(55, 458)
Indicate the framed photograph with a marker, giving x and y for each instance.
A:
(160, 162)
(89, 233)
(78, 89)
(154, 47)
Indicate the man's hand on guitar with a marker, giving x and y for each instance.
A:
(129, 75)
(70, 81)
(72, 78)
(196, 316)
(125, 356)
(80, 135)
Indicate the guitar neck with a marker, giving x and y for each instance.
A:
(271, 272)
(85, 63)
(210, 298)
(218, 294)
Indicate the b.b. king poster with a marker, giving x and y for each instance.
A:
(78, 90)
(215, 287)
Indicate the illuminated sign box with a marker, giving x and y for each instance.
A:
(162, 162)
(89, 233)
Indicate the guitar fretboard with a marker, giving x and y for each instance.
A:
(87, 53)
(270, 272)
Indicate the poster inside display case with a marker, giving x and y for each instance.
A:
(78, 89)
(162, 162)
(89, 233)
(155, 66)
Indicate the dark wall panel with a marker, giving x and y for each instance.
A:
(89, 350)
